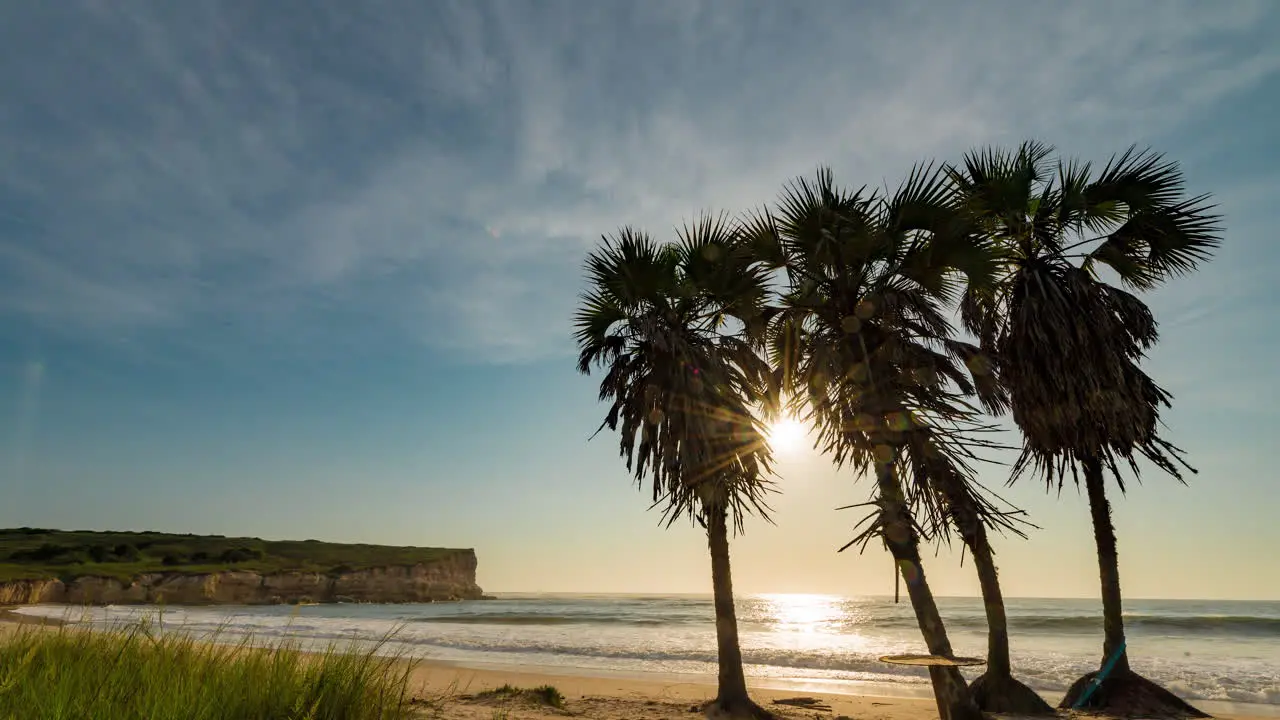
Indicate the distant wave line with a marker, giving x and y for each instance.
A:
(1232, 624)
(528, 619)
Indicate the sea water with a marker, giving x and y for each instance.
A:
(1202, 650)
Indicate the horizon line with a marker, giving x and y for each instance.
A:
(868, 596)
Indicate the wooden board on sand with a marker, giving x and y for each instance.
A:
(932, 660)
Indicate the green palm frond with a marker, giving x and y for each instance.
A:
(759, 230)
(1161, 242)
(998, 185)
(680, 381)
(861, 340)
(921, 205)
(1137, 180)
(981, 375)
(1066, 345)
(948, 459)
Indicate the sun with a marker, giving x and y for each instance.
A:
(786, 435)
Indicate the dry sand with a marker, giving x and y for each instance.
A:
(625, 699)
(458, 692)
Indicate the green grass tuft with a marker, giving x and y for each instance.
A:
(133, 673)
(542, 695)
(549, 695)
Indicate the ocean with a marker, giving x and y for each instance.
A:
(1225, 655)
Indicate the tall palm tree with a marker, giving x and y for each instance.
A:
(972, 514)
(861, 343)
(681, 389)
(1067, 344)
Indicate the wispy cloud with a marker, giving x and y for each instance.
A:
(443, 166)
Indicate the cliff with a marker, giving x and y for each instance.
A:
(452, 577)
(113, 567)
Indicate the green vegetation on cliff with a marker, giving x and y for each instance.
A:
(31, 553)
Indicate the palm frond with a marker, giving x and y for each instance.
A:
(1065, 345)
(861, 338)
(1137, 180)
(983, 374)
(998, 184)
(1161, 242)
(680, 384)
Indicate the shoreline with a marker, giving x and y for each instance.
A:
(609, 694)
(9, 616)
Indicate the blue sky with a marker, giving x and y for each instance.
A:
(306, 269)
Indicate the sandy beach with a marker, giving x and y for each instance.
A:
(627, 698)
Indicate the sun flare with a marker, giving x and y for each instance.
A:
(786, 435)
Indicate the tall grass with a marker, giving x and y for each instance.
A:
(134, 672)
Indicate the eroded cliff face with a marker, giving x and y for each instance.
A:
(453, 578)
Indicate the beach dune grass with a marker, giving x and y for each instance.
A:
(547, 695)
(135, 672)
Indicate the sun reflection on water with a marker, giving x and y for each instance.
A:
(806, 613)
(811, 623)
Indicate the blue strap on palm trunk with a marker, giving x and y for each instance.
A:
(1102, 675)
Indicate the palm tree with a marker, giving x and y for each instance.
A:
(972, 514)
(681, 390)
(1067, 344)
(861, 343)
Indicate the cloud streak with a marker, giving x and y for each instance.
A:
(440, 168)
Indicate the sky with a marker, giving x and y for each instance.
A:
(306, 269)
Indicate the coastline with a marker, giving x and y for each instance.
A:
(614, 696)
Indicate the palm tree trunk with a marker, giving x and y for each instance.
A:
(949, 688)
(733, 684)
(974, 533)
(732, 699)
(996, 690)
(1122, 692)
(997, 622)
(1104, 534)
